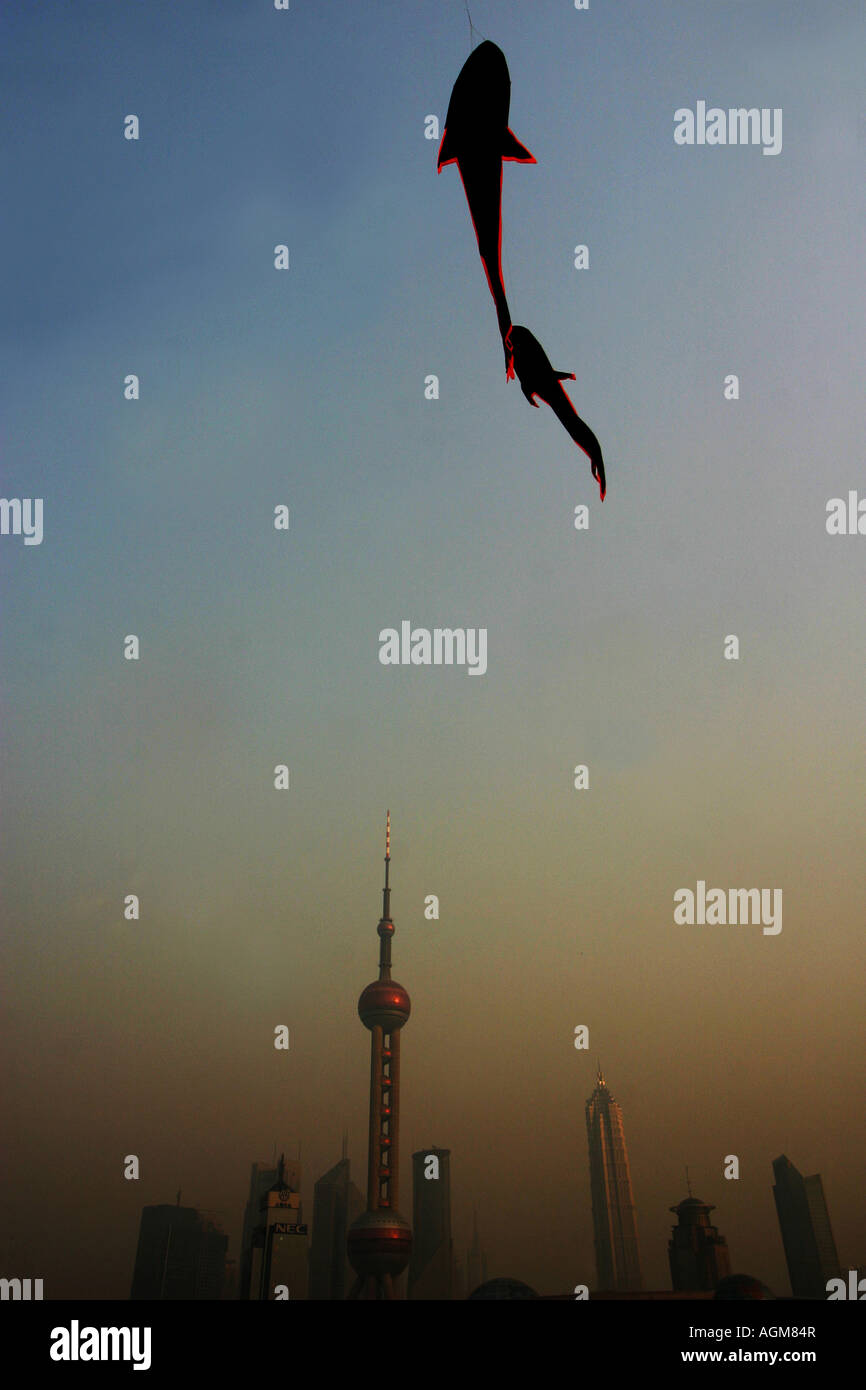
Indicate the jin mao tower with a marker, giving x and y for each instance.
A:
(617, 1261)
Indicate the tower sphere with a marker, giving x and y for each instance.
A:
(384, 1002)
(380, 1242)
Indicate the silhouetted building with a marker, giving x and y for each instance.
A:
(262, 1178)
(742, 1288)
(617, 1260)
(476, 1260)
(230, 1281)
(431, 1268)
(810, 1249)
(635, 1296)
(698, 1255)
(458, 1278)
(380, 1241)
(336, 1204)
(279, 1252)
(504, 1288)
(181, 1254)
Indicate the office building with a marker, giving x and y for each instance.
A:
(617, 1260)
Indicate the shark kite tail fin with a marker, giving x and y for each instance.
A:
(508, 347)
(598, 474)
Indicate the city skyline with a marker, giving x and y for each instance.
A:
(264, 1175)
(697, 1252)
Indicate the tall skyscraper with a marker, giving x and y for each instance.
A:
(810, 1249)
(380, 1241)
(476, 1260)
(262, 1177)
(698, 1255)
(431, 1268)
(336, 1204)
(181, 1254)
(279, 1253)
(617, 1261)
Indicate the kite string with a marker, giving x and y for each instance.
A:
(472, 29)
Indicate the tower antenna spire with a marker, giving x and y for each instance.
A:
(386, 927)
(688, 1183)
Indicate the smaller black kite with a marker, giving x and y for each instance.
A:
(538, 378)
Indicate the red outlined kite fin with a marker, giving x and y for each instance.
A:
(512, 149)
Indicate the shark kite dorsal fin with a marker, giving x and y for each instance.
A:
(512, 149)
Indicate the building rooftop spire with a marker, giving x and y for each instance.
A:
(386, 926)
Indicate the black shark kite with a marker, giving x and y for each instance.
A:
(538, 378)
(477, 139)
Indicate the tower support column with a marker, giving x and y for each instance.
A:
(375, 1117)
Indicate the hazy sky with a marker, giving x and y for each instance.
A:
(258, 647)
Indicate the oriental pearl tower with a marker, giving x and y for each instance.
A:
(380, 1241)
